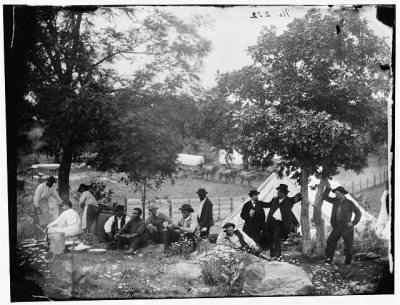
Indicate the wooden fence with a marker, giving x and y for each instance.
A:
(368, 182)
(222, 206)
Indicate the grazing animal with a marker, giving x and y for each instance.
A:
(209, 171)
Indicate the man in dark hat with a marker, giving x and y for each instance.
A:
(205, 215)
(116, 223)
(342, 225)
(279, 219)
(254, 216)
(187, 225)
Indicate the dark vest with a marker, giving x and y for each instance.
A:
(241, 240)
(114, 225)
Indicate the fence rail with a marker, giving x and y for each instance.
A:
(224, 206)
(372, 180)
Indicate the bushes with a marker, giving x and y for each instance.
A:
(224, 266)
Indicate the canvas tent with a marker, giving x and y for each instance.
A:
(383, 220)
(268, 191)
(234, 159)
(190, 160)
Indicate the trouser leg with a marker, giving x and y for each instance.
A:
(348, 238)
(332, 242)
(169, 237)
(36, 222)
(276, 239)
(91, 218)
(137, 242)
(155, 236)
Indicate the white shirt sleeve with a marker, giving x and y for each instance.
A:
(221, 238)
(248, 240)
(108, 224)
(38, 195)
(56, 195)
(59, 221)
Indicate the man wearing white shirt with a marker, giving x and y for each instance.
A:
(45, 210)
(187, 225)
(68, 222)
(279, 220)
(116, 222)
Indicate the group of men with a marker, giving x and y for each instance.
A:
(259, 232)
(159, 228)
(269, 232)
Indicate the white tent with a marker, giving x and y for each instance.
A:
(268, 191)
(234, 159)
(383, 220)
(190, 160)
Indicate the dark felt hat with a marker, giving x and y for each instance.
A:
(201, 191)
(119, 207)
(340, 189)
(254, 192)
(187, 207)
(283, 188)
(228, 224)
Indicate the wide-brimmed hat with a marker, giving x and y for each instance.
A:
(152, 206)
(228, 224)
(340, 189)
(119, 207)
(283, 188)
(201, 191)
(187, 207)
(254, 192)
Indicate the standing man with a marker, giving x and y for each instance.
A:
(254, 216)
(186, 225)
(116, 222)
(342, 225)
(45, 210)
(133, 233)
(279, 220)
(156, 223)
(205, 215)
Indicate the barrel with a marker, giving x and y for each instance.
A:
(57, 242)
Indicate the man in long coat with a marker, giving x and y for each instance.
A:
(205, 215)
(279, 220)
(254, 216)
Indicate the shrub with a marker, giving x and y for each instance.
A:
(224, 266)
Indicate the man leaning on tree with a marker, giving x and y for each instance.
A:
(342, 225)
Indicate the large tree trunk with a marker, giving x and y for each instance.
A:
(144, 199)
(64, 171)
(317, 218)
(305, 217)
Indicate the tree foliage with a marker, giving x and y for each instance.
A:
(311, 96)
(73, 79)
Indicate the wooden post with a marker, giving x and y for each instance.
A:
(219, 208)
(367, 182)
(231, 204)
(242, 199)
(352, 187)
(374, 180)
(170, 208)
(126, 204)
(189, 200)
(380, 177)
(360, 184)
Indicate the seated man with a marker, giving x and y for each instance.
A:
(132, 233)
(237, 239)
(115, 223)
(68, 222)
(156, 223)
(187, 225)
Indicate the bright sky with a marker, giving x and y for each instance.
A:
(233, 31)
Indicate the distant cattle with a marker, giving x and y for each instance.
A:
(247, 176)
(209, 171)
